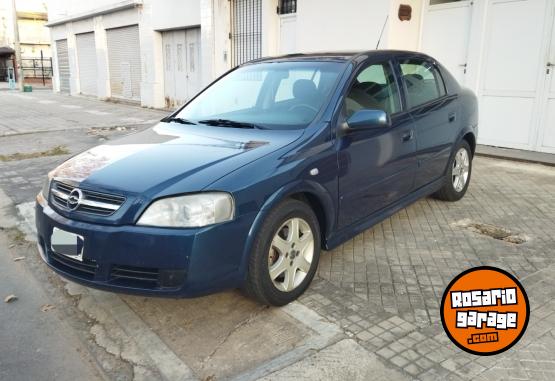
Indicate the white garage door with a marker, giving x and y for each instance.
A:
(445, 35)
(124, 62)
(546, 136)
(514, 72)
(182, 74)
(63, 65)
(86, 59)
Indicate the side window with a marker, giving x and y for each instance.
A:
(423, 82)
(374, 88)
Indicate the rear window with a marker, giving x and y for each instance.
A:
(423, 82)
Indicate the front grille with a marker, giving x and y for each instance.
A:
(96, 203)
(85, 269)
(138, 276)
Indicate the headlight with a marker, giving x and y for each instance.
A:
(46, 187)
(189, 211)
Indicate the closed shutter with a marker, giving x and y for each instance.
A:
(63, 65)
(246, 30)
(124, 60)
(86, 58)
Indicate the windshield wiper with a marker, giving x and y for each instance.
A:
(228, 123)
(177, 120)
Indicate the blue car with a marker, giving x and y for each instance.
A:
(244, 185)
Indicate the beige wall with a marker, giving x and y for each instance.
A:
(404, 35)
(33, 35)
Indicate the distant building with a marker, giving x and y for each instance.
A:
(161, 53)
(34, 38)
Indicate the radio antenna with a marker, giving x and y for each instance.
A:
(381, 34)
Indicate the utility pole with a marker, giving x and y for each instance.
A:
(17, 47)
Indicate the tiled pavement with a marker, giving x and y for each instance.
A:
(383, 288)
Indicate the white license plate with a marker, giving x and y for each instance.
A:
(68, 244)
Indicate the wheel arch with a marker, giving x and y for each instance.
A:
(471, 140)
(314, 194)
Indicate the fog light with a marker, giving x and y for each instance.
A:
(171, 278)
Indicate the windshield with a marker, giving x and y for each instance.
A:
(276, 95)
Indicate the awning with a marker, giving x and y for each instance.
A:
(6, 50)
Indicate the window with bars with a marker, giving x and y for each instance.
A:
(287, 6)
(246, 31)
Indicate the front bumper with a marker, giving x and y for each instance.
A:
(148, 260)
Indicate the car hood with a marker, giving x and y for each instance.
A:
(170, 158)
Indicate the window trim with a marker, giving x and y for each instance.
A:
(363, 66)
(432, 63)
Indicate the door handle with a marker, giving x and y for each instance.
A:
(407, 136)
(452, 117)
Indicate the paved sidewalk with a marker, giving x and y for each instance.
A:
(375, 298)
(43, 111)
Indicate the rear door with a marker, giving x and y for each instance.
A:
(376, 167)
(434, 113)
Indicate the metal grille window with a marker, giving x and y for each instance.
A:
(246, 31)
(287, 7)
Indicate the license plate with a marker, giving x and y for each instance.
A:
(68, 244)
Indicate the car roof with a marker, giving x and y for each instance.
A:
(355, 56)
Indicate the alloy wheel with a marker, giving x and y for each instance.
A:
(290, 255)
(461, 169)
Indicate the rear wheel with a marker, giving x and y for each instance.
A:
(285, 254)
(458, 174)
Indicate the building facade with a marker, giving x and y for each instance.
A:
(161, 53)
(34, 37)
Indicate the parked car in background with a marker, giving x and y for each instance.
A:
(244, 185)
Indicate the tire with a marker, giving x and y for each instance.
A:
(458, 169)
(273, 251)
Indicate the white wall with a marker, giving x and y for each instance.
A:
(345, 25)
(173, 14)
(214, 38)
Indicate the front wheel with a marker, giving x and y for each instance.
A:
(458, 174)
(285, 254)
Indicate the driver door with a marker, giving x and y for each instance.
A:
(376, 166)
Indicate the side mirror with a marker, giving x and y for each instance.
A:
(367, 120)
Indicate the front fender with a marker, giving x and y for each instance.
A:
(300, 186)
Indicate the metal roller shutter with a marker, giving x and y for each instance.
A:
(86, 58)
(124, 62)
(63, 65)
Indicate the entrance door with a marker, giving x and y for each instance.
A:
(514, 74)
(288, 34)
(546, 136)
(182, 75)
(445, 34)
